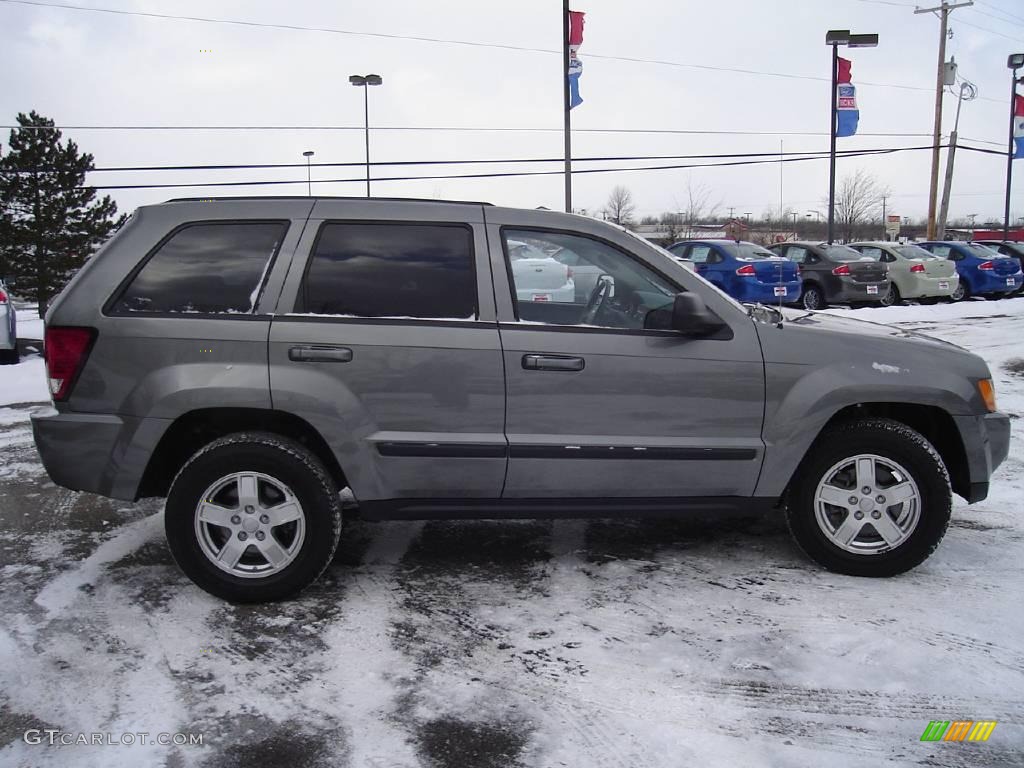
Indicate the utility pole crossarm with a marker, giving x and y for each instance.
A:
(944, 7)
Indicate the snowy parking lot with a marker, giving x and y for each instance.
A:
(544, 643)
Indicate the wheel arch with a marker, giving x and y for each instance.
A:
(935, 424)
(191, 431)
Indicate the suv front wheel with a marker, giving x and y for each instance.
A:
(872, 498)
(253, 517)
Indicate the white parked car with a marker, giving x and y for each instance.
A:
(538, 277)
(8, 328)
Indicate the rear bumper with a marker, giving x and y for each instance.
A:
(930, 286)
(986, 283)
(97, 453)
(986, 442)
(850, 291)
(764, 293)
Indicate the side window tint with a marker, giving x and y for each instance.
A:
(678, 248)
(205, 268)
(714, 257)
(942, 251)
(606, 288)
(392, 270)
(699, 254)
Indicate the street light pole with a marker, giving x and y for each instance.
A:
(1014, 63)
(835, 38)
(362, 81)
(309, 183)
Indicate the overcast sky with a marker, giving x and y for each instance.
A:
(89, 68)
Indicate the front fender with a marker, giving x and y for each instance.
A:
(802, 396)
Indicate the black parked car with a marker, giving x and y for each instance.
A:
(1009, 248)
(835, 274)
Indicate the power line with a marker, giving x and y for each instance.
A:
(438, 128)
(445, 41)
(478, 161)
(774, 159)
(1000, 10)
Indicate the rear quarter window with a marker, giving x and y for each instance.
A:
(394, 270)
(212, 267)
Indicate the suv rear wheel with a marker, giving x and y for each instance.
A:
(253, 517)
(873, 498)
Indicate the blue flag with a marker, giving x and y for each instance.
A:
(846, 101)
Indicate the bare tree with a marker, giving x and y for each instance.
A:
(619, 207)
(858, 202)
(698, 206)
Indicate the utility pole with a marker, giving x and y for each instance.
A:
(731, 209)
(942, 11)
(885, 234)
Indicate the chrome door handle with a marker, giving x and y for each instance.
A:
(553, 363)
(316, 354)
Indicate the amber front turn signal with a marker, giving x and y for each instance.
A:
(988, 393)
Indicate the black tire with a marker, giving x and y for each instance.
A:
(287, 462)
(891, 440)
(812, 297)
(892, 298)
(9, 356)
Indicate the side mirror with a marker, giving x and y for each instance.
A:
(689, 316)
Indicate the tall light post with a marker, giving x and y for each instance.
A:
(1014, 63)
(835, 38)
(309, 183)
(362, 81)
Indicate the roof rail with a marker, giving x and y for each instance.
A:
(324, 197)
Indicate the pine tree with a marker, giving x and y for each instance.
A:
(50, 223)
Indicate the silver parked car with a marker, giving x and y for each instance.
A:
(8, 328)
(250, 358)
(914, 272)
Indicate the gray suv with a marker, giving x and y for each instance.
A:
(251, 358)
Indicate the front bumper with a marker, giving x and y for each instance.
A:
(97, 453)
(986, 441)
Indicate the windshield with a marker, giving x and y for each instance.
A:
(914, 252)
(845, 253)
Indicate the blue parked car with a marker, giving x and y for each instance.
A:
(745, 271)
(983, 271)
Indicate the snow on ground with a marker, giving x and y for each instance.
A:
(483, 643)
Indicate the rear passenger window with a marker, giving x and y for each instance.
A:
(392, 270)
(205, 268)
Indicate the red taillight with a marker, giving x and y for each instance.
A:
(917, 268)
(988, 266)
(65, 351)
(842, 269)
(747, 271)
(3, 297)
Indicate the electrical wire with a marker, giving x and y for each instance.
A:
(440, 128)
(516, 174)
(448, 41)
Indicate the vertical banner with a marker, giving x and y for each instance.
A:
(846, 101)
(575, 65)
(1018, 127)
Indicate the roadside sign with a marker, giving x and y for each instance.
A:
(892, 225)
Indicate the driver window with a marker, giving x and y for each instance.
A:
(604, 287)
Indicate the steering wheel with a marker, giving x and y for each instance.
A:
(595, 303)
